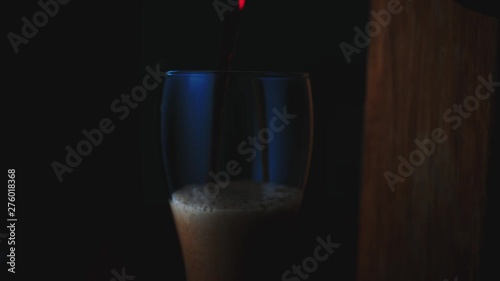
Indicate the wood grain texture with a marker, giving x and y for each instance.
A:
(427, 59)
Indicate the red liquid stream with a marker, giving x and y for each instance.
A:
(226, 57)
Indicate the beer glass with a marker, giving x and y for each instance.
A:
(236, 149)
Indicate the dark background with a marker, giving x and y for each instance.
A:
(111, 211)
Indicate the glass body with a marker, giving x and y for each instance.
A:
(236, 148)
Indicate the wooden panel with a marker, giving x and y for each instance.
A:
(427, 59)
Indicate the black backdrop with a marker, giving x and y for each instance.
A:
(111, 211)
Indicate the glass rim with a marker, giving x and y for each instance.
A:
(282, 74)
